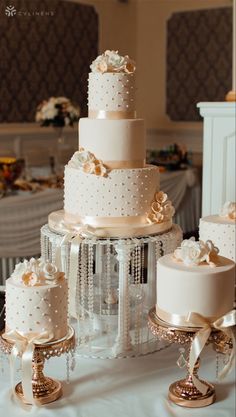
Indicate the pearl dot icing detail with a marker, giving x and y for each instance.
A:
(103, 200)
(34, 311)
(111, 91)
(222, 234)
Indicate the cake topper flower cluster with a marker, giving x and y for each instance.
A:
(35, 272)
(229, 210)
(111, 61)
(193, 252)
(87, 162)
(161, 209)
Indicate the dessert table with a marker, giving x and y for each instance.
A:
(124, 387)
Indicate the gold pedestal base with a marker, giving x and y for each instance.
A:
(44, 389)
(185, 394)
(44, 392)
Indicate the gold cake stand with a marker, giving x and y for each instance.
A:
(184, 392)
(45, 389)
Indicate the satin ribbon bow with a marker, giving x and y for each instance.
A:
(76, 239)
(24, 347)
(225, 324)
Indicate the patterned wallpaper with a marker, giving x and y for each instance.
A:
(46, 47)
(199, 60)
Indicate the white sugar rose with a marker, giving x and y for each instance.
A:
(51, 272)
(30, 279)
(88, 163)
(36, 272)
(114, 60)
(161, 197)
(111, 61)
(229, 210)
(20, 270)
(161, 209)
(194, 253)
(80, 158)
(190, 252)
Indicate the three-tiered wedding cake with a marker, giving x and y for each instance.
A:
(108, 185)
(116, 222)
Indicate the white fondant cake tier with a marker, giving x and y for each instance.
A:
(111, 92)
(222, 232)
(202, 289)
(118, 143)
(122, 194)
(37, 309)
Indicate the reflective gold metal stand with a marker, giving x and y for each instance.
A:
(45, 389)
(184, 392)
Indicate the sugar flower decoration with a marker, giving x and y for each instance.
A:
(111, 61)
(229, 210)
(36, 272)
(87, 162)
(193, 252)
(161, 209)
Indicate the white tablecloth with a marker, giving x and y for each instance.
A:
(135, 387)
(184, 190)
(21, 217)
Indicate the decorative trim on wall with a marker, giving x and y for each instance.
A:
(46, 48)
(199, 60)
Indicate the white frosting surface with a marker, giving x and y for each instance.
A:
(203, 289)
(114, 140)
(222, 232)
(37, 308)
(124, 192)
(111, 92)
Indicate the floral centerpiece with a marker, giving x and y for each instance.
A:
(57, 112)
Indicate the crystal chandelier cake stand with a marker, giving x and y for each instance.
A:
(115, 288)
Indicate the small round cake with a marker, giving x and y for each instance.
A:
(36, 300)
(221, 229)
(194, 279)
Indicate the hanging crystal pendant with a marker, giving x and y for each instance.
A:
(73, 361)
(181, 362)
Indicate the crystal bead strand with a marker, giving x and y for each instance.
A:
(90, 286)
(84, 263)
(81, 292)
(137, 289)
(127, 301)
(67, 367)
(141, 290)
(108, 289)
(158, 251)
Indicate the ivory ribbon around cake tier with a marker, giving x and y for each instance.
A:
(224, 323)
(23, 345)
(106, 221)
(136, 163)
(104, 114)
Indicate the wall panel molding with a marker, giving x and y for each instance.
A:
(45, 54)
